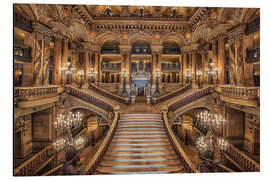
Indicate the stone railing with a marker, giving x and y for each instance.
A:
(188, 165)
(29, 166)
(238, 91)
(35, 93)
(88, 98)
(172, 94)
(92, 165)
(242, 159)
(109, 95)
(187, 99)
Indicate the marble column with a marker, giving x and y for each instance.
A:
(96, 64)
(184, 67)
(203, 77)
(193, 67)
(86, 67)
(180, 69)
(57, 55)
(154, 68)
(221, 61)
(99, 69)
(214, 58)
(64, 57)
(127, 65)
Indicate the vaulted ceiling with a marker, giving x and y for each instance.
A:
(87, 22)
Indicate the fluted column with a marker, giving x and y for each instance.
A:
(64, 56)
(221, 61)
(128, 66)
(154, 68)
(204, 61)
(57, 55)
(181, 69)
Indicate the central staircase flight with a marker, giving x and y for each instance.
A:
(140, 145)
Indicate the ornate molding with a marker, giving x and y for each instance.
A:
(42, 31)
(237, 33)
(156, 49)
(125, 48)
(190, 48)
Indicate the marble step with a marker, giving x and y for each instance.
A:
(127, 133)
(140, 156)
(113, 151)
(142, 122)
(141, 140)
(144, 138)
(140, 115)
(130, 146)
(140, 126)
(140, 136)
(161, 169)
(123, 163)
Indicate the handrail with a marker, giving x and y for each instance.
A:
(173, 94)
(239, 91)
(91, 166)
(33, 93)
(248, 163)
(188, 165)
(26, 167)
(224, 168)
(194, 96)
(55, 171)
(108, 94)
(88, 98)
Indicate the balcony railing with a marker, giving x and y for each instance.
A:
(22, 53)
(35, 93)
(192, 97)
(141, 50)
(110, 50)
(111, 67)
(171, 51)
(238, 91)
(88, 98)
(29, 166)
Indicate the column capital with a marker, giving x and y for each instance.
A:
(236, 33)
(95, 48)
(125, 48)
(41, 31)
(156, 49)
(190, 48)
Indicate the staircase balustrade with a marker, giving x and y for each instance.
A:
(183, 101)
(92, 165)
(109, 95)
(242, 159)
(28, 167)
(173, 94)
(188, 165)
(88, 98)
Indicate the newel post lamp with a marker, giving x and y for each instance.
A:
(81, 74)
(124, 75)
(67, 73)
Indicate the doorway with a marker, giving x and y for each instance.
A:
(140, 91)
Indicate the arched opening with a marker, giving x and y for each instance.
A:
(110, 47)
(141, 47)
(170, 47)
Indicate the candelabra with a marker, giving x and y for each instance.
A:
(124, 75)
(199, 74)
(211, 71)
(188, 75)
(68, 72)
(66, 123)
(157, 75)
(204, 145)
(81, 74)
(92, 74)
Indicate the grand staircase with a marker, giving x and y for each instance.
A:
(140, 145)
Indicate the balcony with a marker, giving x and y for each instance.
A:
(22, 53)
(141, 50)
(110, 50)
(171, 51)
(111, 67)
(170, 67)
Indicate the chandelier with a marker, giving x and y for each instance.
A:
(68, 121)
(210, 120)
(205, 145)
